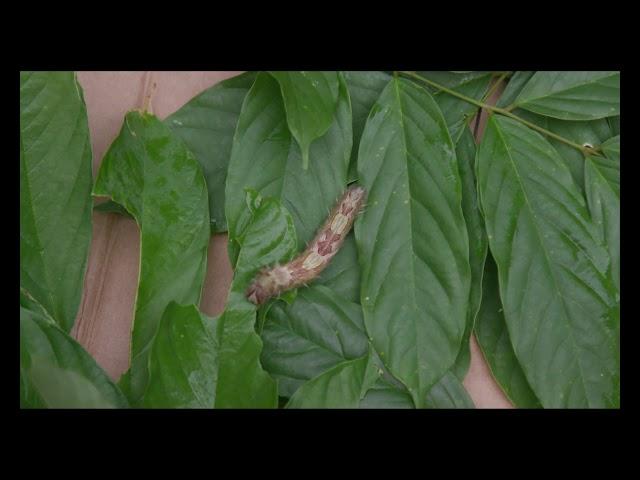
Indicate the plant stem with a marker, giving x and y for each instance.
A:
(585, 150)
(495, 86)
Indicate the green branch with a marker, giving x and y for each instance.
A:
(502, 111)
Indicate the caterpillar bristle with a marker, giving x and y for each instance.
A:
(308, 265)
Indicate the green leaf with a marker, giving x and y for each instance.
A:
(466, 156)
(266, 158)
(364, 90)
(611, 149)
(412, 240)
(183, 364)
(581, 132)
(516, 83)
(614, 124)
(449, 392)
(384, 395)
(318, 331)
(342, 275)
(207, 124)
(342, 386)
(112, 207)
(572, 95)
(242, 383)
(602, 185)
(157, 179)
(310, 100)
(493, 338)
(56, 372)
(55, 192)
(560, 304)
(456, 111)
(202, 362)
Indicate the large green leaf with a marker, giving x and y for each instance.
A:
(310, 100)
(267, 159)
(412, 240)
(318, 331)
(456, 111)
(207, 124)
(466, 156)
(364, 90)
(560, 304)
(56, 372)
(572, 95)
(342, 386)
(55, 192)
(150, 171)
(491, 331)
(202, 362)
(592, 132)
(602, 185)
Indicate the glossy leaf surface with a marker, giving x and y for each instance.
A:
(602, 185)
(492, 335)
(55, 192)
(412, 240)
(310, 100)
(572, 95)
(560, 304)
(150, 172)
(207, 124)
(56, 372)
(266, 158)
(466, 156)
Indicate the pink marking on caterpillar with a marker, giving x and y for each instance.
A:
(273, 281)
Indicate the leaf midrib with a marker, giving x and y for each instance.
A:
(418, 400)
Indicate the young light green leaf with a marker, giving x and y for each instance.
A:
(242, 383)
(572, 95)
(492, 335)
(364, 90)
(318, 331)
(55, 192)
(157, 179)
(466, 157)
(207, 124)
(202, 362)
(602, 185)
(342, 386)
(560, 304)
(310, 100)
(412, 240)
(265, 158)
(56, 372)
(183, 363)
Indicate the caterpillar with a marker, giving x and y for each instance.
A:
(273, 281)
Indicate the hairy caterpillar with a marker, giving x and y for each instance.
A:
(275, 280)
